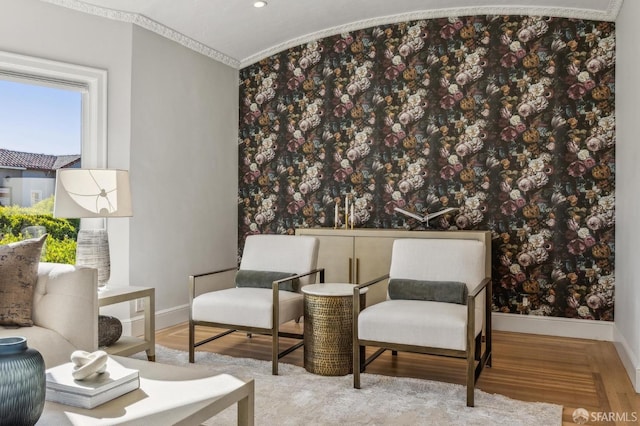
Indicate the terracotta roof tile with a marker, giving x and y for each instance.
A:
(29, 160)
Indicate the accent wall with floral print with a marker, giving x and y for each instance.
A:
(509, 119)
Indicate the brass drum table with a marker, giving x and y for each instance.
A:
(328, 328)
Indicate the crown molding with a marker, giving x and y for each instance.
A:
(562, 12)
(148, 24)
(609, 14)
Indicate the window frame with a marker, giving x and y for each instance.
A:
(92, 83)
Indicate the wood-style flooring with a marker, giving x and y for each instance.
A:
(574, 373)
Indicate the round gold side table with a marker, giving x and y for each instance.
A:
(328, 328)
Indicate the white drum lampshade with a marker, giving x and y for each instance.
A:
(93, 193)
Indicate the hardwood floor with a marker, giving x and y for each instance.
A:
(574, 373)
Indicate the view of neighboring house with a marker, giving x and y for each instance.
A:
(26, 178)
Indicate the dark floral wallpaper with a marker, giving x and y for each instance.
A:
(510, 119)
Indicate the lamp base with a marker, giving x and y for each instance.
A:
(92, 251)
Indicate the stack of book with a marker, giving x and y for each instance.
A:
(92, 391)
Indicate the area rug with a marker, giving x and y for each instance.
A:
(296, 397)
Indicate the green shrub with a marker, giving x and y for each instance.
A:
(62, 233)
(60, 251)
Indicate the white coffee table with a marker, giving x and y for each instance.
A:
(168, 395)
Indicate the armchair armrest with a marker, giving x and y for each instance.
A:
(476, 291)
(370, 283)
(212, 284)
(275, 285)
(357, 292)
(66, 300)
(471, 307)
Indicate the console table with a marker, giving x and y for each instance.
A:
(328, 328)
(168, 395)
(129, 345)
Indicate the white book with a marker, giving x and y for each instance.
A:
(61, 378)
(91, 401)
(427, 218)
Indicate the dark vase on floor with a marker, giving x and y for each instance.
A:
(22, 382)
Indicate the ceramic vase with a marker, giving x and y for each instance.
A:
(109, 330)
(22, 382)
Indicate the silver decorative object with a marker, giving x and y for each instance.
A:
(92, 251)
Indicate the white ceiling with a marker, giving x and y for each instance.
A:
(236, 33)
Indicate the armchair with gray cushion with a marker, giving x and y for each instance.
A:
(439, 304)
(64, 313)
(260, 295)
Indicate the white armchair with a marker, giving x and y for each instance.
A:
(439, 304)
(253, 298)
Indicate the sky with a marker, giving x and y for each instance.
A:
(39, 119)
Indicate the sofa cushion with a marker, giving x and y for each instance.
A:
(265, 279)
(435, 291)
(18, 275)
(54, 348)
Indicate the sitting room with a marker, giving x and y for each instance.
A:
(344, 213)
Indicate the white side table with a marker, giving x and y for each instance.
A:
(129, 345)
(328, 328)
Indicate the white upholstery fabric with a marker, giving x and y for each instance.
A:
(281, 253)
(65, 313)
(55, 349)
(252, 307)
(249, 307)
(416, 322)
(440, 260)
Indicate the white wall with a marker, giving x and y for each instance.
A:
(184, 167)
(627, 313)
(179, 113)
(42, 30)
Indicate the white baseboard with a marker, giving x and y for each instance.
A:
(550, 326)
(553, 326)
(164, 318)
(629, 359)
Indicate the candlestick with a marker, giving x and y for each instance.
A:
(352, 216)
(335, 217)
(346, 212)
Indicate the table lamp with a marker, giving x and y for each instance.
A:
(93, 193)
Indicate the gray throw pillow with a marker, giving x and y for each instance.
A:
(265, 279)
(18, 275)
(436, 291)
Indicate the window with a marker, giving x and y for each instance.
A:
(28, 187)
(40, 131)
(91, 82)
(36, 197)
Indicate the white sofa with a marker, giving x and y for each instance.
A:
(65, 313)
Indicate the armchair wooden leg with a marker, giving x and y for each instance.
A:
(471, 374)
(357, 353)
(191, 342)
(275, 352)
